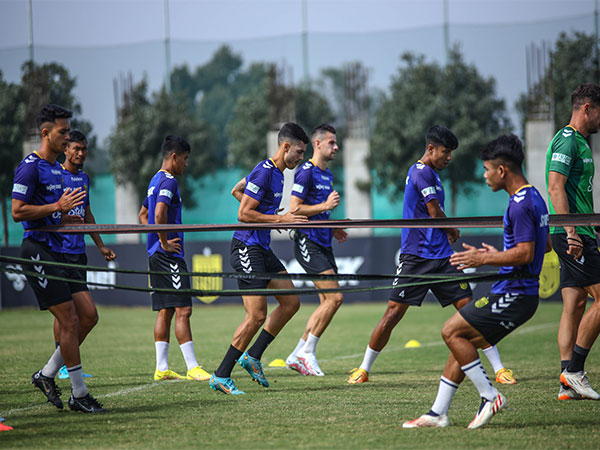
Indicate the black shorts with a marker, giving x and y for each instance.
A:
(447, 293)
(171, 280)
(497, 315)
(253, 258)
(48, 292)
(76, 274)
(577, 273)
(313, 258)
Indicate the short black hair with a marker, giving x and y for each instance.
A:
(507, 148)
(320, 130)
(583, 92)
(77, 136)
(174, 144)
(291, 132)
(49, 114)
(439, 135)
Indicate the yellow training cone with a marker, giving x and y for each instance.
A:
(277, 363)
(413, 343)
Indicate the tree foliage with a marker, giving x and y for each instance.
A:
(424, 94)
(134, 145)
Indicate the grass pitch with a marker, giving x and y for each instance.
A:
(296, 411)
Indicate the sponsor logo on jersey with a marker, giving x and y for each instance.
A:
(74, 178)
(56, 172)
(78, 211)
(323, 186)
(253, 187)
(588, 161)
(277, 194)
(19, 189)
(561, 158)
(298, 188)
(323, 177)
(429, 190)
(53, 187)
(165, 193)
(544, 218)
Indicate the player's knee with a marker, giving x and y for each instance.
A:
(257, 318)
(294, 304)
(337, 299)
(70, 323)
(184, 313)
(447, 333)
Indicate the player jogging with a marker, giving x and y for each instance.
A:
(425, 251)
(74, 244)
(313, 196)
(251, 252)
(569, 177)
(165, 252)
(510, 303)
(38, 199)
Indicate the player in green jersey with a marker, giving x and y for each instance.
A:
(569, 177)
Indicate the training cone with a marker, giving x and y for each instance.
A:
(413, 343)
(277, 363)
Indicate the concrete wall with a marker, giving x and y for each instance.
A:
(538, 134)
(358, 202)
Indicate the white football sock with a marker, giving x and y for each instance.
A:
(54, 364)
(493, 357)
(187, 349)
(300, 344)
(311, 344)
(162, 355)
(77, 384)
(476, 373)
(370, 357)
(444, 397)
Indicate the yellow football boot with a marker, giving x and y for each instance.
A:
(505, 376)
(197, 373)
(358, 376)
(167, 375)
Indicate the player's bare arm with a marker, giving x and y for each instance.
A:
(108, 254)
(434, 210)
(160, 217)
(519, 255)
(558, 198)
(143, 215)
(333, 200)
(247, 213)
(24, 211)
(238, 189)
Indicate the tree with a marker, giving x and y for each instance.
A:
(134, 145)
(12, 134)
(424, 94)
(574, 61)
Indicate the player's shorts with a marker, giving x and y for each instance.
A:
(313, 258)
(47, 292)
(171, 280)
(253, 259)
(497, 315)
(446, 294)
(577, 273)
(76, 274)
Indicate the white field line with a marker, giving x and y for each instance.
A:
(142, 387)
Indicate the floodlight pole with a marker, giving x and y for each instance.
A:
(167, 49)
(597, 52)
(305, 40)
(446, 32)
(30, 24)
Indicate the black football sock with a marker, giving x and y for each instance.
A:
(260, 345)
(578, 359)
(231, 357)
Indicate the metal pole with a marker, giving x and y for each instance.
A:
(597, 52)
(446, 31)
(305, 39)
(167, 49)
(30, 23)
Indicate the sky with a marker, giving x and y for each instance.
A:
(100, 40)
(111, 22)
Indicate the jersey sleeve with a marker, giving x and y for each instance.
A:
(303, 181)
(24, 182)
(167, 189)
(524, 221)
(564, 152)
(145, 202)
(424, 182)
(86, 186)
(257, 183)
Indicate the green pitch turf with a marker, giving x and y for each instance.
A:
(296, 411)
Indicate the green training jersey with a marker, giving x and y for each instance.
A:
(570, 155)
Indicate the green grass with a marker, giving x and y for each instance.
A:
(296, 411)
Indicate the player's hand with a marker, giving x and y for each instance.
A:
(108, 254)
(340, 234)
(487, 248)
(575, 245)
(472, 257)
(291, 216)
(68, 219)
(70, 199)
(172, 245)
(332, 200)
(453, 234)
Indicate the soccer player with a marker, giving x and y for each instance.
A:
(425, 251)
(510, 303)
(38, 199)
(165, 252)
(74, 244)
(251, 252)
(569, 176)
(313, 196)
